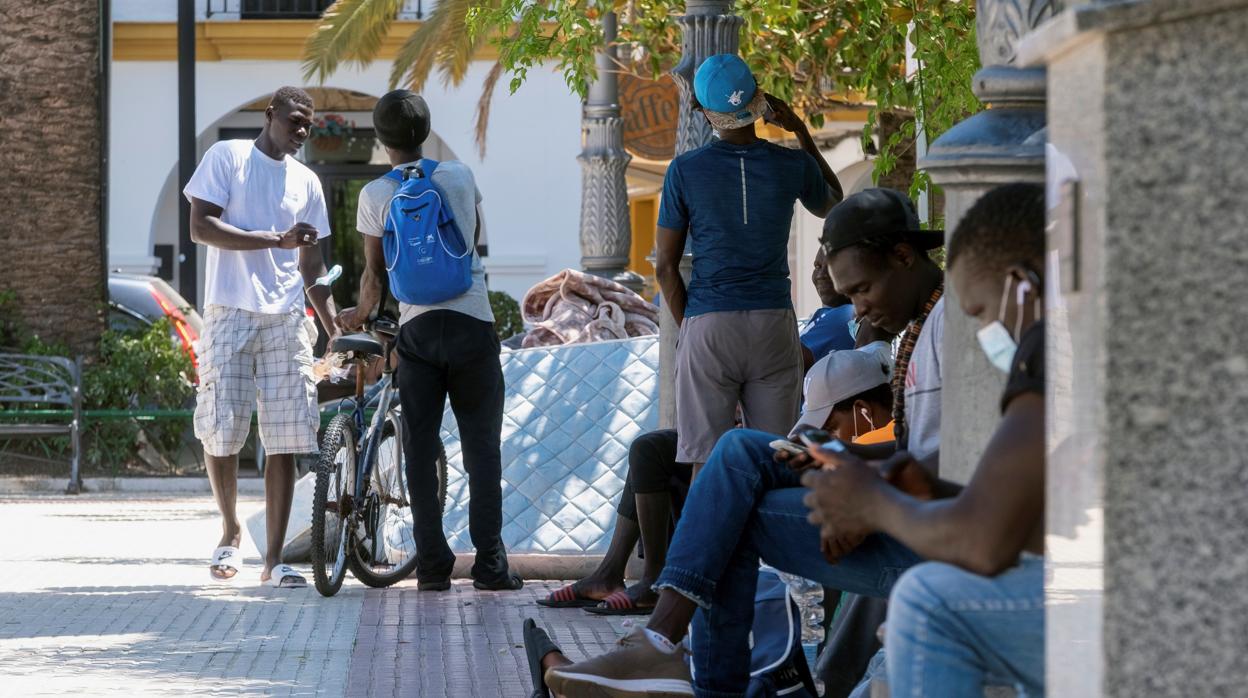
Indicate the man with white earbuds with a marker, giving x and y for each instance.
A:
(972, 613)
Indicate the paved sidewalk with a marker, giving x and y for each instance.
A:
(108, 594)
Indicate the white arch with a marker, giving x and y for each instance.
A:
(531, 177)
(163, 226)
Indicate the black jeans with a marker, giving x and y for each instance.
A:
(444, 353)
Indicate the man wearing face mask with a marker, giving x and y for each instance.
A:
(983, 544)
(732, 201)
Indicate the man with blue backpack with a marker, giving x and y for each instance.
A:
(420, 224)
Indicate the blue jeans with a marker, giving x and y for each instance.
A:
(951, 632)
(744, 506)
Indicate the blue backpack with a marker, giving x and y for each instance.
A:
(427, 259)
(777, 663)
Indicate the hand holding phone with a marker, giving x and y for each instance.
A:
(820, 439)
(788, 447)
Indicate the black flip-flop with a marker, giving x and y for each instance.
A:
(537, 644)
(568, 597)
(620, 604)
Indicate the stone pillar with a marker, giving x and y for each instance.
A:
(606, 234)
(1148, 359)
(1004, 143)
(708, 29)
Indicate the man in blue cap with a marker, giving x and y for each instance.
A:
(732, 200)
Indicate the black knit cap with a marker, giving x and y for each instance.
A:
(401, 120)
(876, 213)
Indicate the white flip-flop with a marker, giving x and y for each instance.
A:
(226, 556)
(281, 574)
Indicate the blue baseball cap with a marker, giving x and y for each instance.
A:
(728, 92)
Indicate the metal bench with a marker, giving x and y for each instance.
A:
(31, 384)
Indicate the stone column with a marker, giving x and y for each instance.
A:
(1148, 358)
(606, 234)
(708, 29)
(1004, 143)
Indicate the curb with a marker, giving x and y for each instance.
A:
(135, 485)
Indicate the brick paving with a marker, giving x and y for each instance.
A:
(462, 642)
(110, 595)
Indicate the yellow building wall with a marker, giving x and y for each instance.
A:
(644, 214)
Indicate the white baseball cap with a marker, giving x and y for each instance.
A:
(841, 375)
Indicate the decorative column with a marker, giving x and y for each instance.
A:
(1145, 510)
(1004, 143)
(606, 234)
(708, 29)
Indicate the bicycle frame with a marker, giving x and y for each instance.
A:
(368, 438)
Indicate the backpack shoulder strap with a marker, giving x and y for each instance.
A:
(430, 167)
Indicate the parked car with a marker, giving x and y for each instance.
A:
(136, 301)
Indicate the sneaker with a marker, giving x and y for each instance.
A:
(636, 668)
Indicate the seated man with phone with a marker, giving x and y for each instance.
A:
(847, 394)
(973, 614)
(877, 255)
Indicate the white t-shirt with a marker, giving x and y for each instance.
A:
(257, 193)
(923, 385)
(454, 180)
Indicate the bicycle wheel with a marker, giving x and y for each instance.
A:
(386, 553)
(386, 550)
(333, 520)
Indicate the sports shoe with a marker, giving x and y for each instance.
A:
(633, 670)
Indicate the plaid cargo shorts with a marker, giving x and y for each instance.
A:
(247, 358)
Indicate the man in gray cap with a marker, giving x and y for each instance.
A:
(445, 349)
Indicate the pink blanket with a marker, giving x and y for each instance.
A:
(573, 307)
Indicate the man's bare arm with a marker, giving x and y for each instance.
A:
(370, 285)
(670, 246)
(207, 228)
(786, 118)
(987, 525)
(312, 266)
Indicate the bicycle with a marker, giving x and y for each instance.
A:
(361, 513)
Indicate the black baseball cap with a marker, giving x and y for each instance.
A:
(874, 213)
(401, 120)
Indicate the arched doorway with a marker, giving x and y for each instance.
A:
(342, 151)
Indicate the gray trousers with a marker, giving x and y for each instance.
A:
(749, 357)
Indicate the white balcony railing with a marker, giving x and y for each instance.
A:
(296, 9)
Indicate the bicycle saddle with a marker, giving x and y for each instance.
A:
(359, 343)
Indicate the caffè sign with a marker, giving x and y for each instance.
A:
(650, 109)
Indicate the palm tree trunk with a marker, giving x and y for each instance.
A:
(50, 139)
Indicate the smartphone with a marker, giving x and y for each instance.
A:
(769, 116)
(788, 447)
(818, 438)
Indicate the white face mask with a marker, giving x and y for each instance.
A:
(998, 343)
(854, 325)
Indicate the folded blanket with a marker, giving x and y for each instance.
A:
(573, 307)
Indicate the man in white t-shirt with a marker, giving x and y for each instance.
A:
(261, 214)
(445, 350)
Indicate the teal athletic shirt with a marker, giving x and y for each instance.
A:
(736, 201)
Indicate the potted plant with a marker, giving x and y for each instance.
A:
(334, 139)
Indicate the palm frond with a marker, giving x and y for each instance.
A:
(483, 106)
(350, 31)
(414, 61)
(456, 48)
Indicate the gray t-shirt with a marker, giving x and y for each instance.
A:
(454, 180)
(923, 386)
